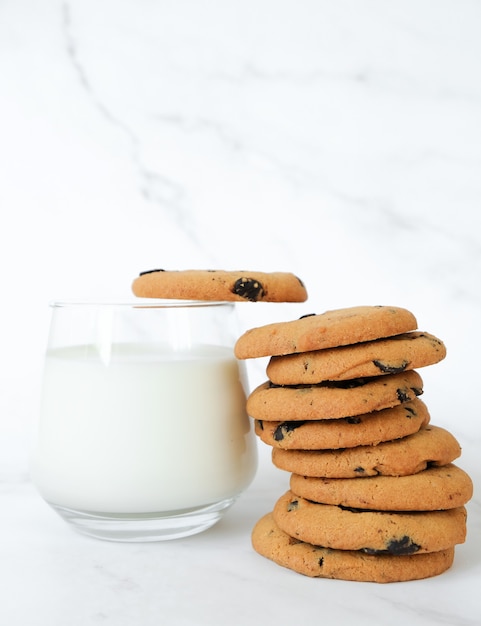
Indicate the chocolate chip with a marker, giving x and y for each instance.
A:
(321, 561)
(359, 470)
(402, 546)
(410, 410)
(150, 272)
(391, 369)
(248, 288)
(261, 424)
(398, 547)
(307, 315)
(353, 420)
(403, 395)
(293, 505)
(284, 428)
(278, 434)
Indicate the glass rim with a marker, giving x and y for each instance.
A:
(139, 303)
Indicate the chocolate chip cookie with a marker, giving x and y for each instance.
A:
(333, 400)
(271, 542)
(327, 330)
(430, 446)
(221, 285)
(371, 358)
(348, 432)
(432, 489)
(374, 532)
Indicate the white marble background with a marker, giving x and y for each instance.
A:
(338, 139)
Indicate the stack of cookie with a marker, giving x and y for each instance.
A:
(374, 494)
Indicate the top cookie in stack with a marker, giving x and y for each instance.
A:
(374, 494)
(331, 329)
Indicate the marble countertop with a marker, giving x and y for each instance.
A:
(51, 575)
(336, 139)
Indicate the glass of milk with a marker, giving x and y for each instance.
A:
(143, 433)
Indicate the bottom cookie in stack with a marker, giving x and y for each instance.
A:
(316, 561)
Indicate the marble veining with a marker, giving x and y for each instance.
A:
(152, 185)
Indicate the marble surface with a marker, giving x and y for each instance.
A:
(339, 140)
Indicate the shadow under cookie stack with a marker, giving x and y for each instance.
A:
(374, 493)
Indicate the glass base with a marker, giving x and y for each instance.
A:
(140, 527)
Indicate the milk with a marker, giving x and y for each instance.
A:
(142, 429)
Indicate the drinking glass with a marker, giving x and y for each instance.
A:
(143, 433)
